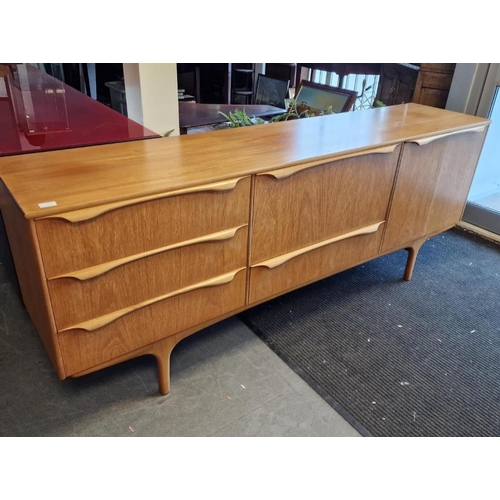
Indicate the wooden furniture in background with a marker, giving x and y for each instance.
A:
(125, 249)
(397, 83)
(433, 84)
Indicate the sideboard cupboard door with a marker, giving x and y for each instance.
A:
(299, 206)
(434, 178)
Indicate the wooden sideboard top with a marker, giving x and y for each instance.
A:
(95, 175)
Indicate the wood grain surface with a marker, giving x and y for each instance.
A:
(140, 227)
(432, 186)
(320, 203)
(96, 175)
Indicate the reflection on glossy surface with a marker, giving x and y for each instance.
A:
(39, 113)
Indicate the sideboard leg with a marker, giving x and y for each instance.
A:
(162, 351)
(412, 257)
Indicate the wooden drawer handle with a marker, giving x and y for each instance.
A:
(92, 272)
(278, 261)
(97, 323)
(287, 172)
(427, 140)
(92, 212)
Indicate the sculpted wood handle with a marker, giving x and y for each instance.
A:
(92, 272)
(287, 172)
(92, 212)
(278, 261)
(96, 323)
(427, 140)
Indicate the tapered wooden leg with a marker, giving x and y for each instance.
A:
(161, 351)
(412, 257)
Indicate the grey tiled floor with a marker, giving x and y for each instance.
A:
(224, 382)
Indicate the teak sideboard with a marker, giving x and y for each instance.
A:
(125, 249)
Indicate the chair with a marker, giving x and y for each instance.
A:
(271, 91)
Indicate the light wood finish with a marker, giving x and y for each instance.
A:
(428, 140)
(101, 321)
(149, 242)
(287, 172)
(91, 213)
(92, 272)
(76, 301)
(313, 265)
(92, 176)
(412, 258)
(139, 227)
(161, 350)
(82, 349)
(320, 203)
(28, 263)
(432, 186)
(279, 261)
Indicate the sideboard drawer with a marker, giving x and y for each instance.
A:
(83, 349)
(94, 292)
(278, 275)
(297, 207)
(85, 238)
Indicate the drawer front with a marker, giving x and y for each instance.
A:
(139, 227)
(83, 349)
(431, 189)
(320, 202)
(279, 275)
(84, 295)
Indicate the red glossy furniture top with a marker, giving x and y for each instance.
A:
(40, 113)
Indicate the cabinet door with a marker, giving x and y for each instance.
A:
(397, 83)
(388, 84)
(432, 184)
(318, 221)
(295, 209)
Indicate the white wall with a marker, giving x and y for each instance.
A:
(151, 92)
(466, 87)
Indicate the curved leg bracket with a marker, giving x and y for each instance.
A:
(412, 257)
(162, 350)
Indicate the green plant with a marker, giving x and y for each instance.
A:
(238, 118)
(302, 110)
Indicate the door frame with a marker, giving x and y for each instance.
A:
(472, 92)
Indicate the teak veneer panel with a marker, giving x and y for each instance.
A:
(139, 227)
(319, 203)
(148, 242)
(432, 186)
(82, 349)
(96, 175)
(313, 265)
(75, 301)
(23, 244)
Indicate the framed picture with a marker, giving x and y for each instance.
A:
(320, 97)
(271, 91)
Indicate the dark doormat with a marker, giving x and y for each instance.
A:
(396, 358)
